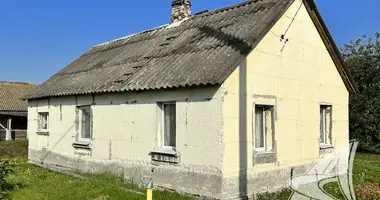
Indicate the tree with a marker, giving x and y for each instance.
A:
(363, 59)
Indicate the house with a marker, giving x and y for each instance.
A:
(13, 110)
(222, 104)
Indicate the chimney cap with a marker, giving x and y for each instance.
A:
(180, 2)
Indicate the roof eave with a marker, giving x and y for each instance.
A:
(200, 85)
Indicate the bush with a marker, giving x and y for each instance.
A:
(5, 170)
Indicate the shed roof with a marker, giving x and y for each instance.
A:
(203, 50)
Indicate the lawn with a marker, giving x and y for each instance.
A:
(366, 175)
(29, 182)
(366, 178)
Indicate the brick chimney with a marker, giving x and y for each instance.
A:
(181, 9)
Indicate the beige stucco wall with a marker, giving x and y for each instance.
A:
(295, 78)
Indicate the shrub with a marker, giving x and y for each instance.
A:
(5, 170)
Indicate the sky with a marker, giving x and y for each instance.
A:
(40, 37)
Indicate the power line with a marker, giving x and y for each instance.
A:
(283, 38)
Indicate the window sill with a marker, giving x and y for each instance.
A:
(326, 146)
(265, 157)
(165, 151)
(42, 132)
(162, 155)
(265, 152)
(326, 149)
(82, 145)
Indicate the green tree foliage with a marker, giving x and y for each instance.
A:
(363, 59)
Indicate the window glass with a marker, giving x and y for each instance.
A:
(259, 127)
(43, 121)
(86, 123)
(169, 124)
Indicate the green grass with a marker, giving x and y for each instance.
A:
(366, 175)
(366, 172)
(281, 195)
(10, 149)
(29, 182)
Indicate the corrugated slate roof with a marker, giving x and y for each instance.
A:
(11, 94)
(203, 50)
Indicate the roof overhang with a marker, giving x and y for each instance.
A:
(331, 46)
(14, 113)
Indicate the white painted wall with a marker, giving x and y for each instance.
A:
(126, 127)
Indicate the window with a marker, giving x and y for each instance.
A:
(43, 121)
(169, 125)
(325, 125)
(259, 128)
(166, 152)
(85, 119)
(264, 129)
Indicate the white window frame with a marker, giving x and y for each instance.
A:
(261, 149)
(40, 121)
(163, 125)
(80, 138)
(323, 121)
(324, 108)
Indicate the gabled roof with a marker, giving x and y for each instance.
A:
(11, 94)
(203, 50)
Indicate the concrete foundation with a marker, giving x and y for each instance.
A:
(205, 182)
(260, 182)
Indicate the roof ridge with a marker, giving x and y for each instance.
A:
(130, 36)
(233, 6)
(16, 82)
(170, 25)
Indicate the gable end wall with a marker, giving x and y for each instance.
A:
(295, 78)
